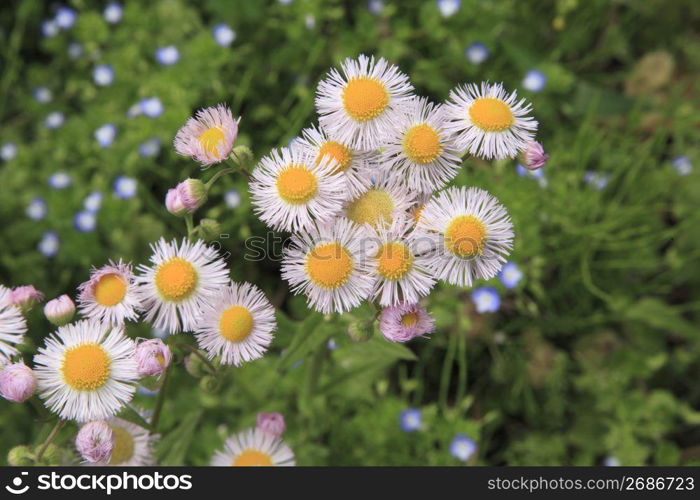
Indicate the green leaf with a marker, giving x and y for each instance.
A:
(307, 337)
(174, 446)
(657, 314)
(131, 415)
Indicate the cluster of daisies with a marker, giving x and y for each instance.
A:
(89, 369)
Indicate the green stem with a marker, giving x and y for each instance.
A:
(196, 352)
(218, 175)
(52, 435)
(462, 365)
(190, 226)
(447, 370)
(160, 401)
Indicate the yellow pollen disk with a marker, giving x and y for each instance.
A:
(491, 114)
(123, 446)
(210, 140)
(421, 143)
(296, 184)
(110, 290)
(394, 260)
(335, 151)
(373, 207)
(86, 367)
(236, 323)
(365, 98)
(465, 236)
(329, 265)
(409, 319)
(176, 279)
(252, 458)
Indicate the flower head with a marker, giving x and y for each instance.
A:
(85, 221)
(486, 299)
(13, 326)
(223, 34)
(256, 448)
(173, 203)
(125, 187)
(60, 180)
(110, 295)
(105, 135)
(534, 156)
(208, 137)
(49, 244)
(42, 95)
(534, 81)
(462, 448)
(54, 120)
(37, 209)
(272, 423)
(17, 382)
(232, 197)
(385, 201)
(60, 310)
(8, 151)
(682, 165)
(510, 275)
(95, 441)
(113, 12)
(25, 297)
(65, 17)
(403, 322)
(93, 201)
(152, 357)
(168, 55)
(151, 107)
(103, 75)
(192, 194)
(448, 8)
(477, 53)
(410, 420)
(133, 445)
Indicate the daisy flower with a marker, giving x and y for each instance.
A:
(355, 165)
(404, 321)
(110, 295)
(420, 149)
(488, 122)
(133, 445)
(328, 264)
(254, 448)
(181, 280)
(290, 189)
(13, 326)
(358, 106)
(86, 371)
(208, 136)
(237, 324)
(470, 233)
(386, 200)
(402, 272)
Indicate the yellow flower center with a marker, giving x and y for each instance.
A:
(409, 319)
(86, 367)
(296, 184)
(365, 98)
(123, 446)
(373, 207)
(490, 114)
(394, 260)
(176, 279)
(110, 290)
(335, 151)
(422, 144)
(465, 236)
(329, 265)
(236, 323)
(210, 140)
(252, 458)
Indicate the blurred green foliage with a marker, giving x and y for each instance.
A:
(594, 354)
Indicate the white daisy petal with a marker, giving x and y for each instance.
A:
(383, 202)
(254, 448)
(13, 326)
(110, 295)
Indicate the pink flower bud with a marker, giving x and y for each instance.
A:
(95, 441)
(193, 194)
(17, 382)
(25, 297)
(271, 423)
(59, 311)
(535, 157)
(173, 203)
(152, 357)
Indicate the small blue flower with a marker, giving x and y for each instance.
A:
(285, 2)
(150, 148)
(332, 345)
(50, 28)
(54, 120)
(534, 80)
(448, 8)
(65, 17)
(93, 201)
(486, 299)
(232, 198)
(310, 22)
(598, 181)
(146, 392)
(375, 6)
(462, 448)
(223, 34)
(510, 275)
(49, 244)
(611, 462)
(530, 174)
(37, 209)
(410, 420)
(105, 134)
(168, 55)
(8, 151)
(113, 12)
(683, 165)
(42, 95)
(103, 75)
(59, 180)
(75, 50)
(477, 53)
(151, 107)
(85, 221)
(125, 187)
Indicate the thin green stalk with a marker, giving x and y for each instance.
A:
(52, 435)
(218, 175)
(462, 366)
(161, 399)
(190, 226)
(447, 370)
(196, 352)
